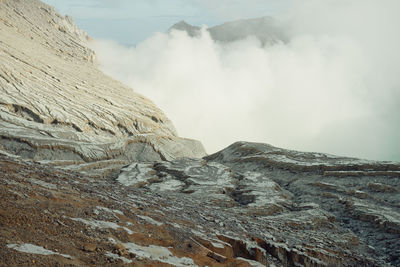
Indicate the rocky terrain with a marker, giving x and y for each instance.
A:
(56, 105)
(265, 29)
(248, 205)
(93, 174)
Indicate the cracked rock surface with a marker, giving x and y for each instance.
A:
(223, 210)
(301, 208)
(56, 105)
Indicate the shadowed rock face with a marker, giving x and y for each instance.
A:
(56, 105)
(93, 174)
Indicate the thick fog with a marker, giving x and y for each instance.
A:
(333, 87)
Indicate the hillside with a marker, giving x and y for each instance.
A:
(56, 105)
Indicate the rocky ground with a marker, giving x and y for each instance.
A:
(239, 207)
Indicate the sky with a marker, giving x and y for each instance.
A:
(333, 86)
(131, 21)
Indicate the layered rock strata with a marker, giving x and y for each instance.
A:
(56, 105)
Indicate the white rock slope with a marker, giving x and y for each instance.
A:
(56, 105)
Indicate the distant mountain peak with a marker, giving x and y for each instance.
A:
(182, 23)
(264, 28)
(184, 26)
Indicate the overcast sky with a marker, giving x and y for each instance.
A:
(131, 21)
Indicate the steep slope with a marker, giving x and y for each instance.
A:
(264, 29)
(56, 105)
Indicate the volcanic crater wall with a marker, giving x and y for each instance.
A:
(56, 105)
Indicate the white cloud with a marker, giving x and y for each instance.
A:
(333, 88)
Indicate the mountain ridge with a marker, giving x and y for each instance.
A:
(264, 29)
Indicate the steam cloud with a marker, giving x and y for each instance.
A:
(334, 87)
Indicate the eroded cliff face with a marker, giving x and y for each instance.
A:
(93, 174)
(56, 105)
